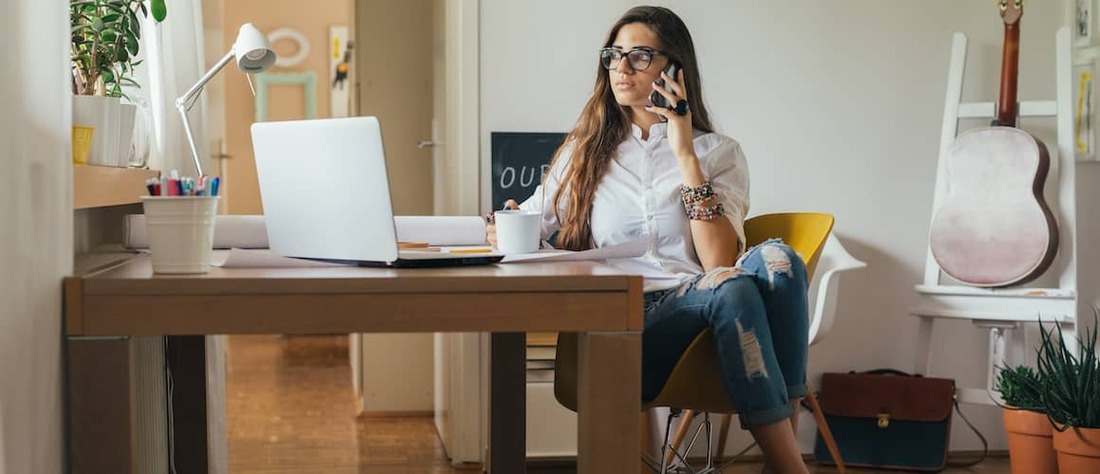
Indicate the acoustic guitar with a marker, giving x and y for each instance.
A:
(994, 228)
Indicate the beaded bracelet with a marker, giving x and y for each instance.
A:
(692, 195)
(705, 213)
(704, 202)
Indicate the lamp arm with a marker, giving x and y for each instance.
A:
(190, 138)
(197, 88)
(181, 105)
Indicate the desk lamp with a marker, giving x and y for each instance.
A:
(253, 53)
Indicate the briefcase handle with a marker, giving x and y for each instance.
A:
(887, 372)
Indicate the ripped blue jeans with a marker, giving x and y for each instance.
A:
(758, 312)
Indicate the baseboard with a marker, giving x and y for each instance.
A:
(567, 463)
(397, 414)
(563, 463)
(533, 465)
(809, 457)
(468, 466)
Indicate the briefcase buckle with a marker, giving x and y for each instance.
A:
(883, 420)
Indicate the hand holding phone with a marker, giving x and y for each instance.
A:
(659, 100)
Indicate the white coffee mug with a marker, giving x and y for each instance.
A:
(518, 231)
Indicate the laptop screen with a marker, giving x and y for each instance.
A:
(324, 189)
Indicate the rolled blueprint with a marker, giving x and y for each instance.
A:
(246, 232)
(250, 232)
(441, 230)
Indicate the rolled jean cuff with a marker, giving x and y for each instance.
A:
(766, 417)
(797, 391)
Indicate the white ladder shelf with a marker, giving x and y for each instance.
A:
(1003, 309)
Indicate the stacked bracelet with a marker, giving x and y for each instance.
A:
(694, 195)
(704, 213)
(699, 202)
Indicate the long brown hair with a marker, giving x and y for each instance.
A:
(604, 124)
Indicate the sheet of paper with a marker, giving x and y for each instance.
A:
(263, 258)
(634, 248)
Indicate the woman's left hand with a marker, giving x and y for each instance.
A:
(680, 135)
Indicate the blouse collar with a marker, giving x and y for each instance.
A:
(656, 131)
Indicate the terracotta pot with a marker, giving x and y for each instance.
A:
(1078, 450)
(1030, 447)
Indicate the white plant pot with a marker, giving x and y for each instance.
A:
(126, 115)
(112, 125)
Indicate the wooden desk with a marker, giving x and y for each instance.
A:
(506, 300)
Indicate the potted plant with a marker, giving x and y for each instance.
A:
(1030, 436)
(105, 41)
(1071, 397)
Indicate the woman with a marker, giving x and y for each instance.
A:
(631, 170)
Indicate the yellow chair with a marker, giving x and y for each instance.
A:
(694, 384)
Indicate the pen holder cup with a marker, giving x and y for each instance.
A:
(181, 232)
(518, 231)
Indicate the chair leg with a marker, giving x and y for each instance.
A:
(825, 432)
(723, 431)
(685, 423)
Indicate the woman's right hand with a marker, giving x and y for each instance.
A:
(491, 226)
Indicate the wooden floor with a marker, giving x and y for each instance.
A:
(291, 410)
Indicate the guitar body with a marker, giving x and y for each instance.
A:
(994, 227)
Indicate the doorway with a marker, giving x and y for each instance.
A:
(405, 71)
(394, 59)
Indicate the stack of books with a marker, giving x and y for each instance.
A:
(540, 356)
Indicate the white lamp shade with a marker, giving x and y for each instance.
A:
(253, 50)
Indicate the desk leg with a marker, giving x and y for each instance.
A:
(508, 403)
(100, 407)
(609, 402)
(187, 361)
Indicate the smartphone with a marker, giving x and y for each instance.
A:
(655, 97)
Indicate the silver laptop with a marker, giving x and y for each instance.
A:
(326, 195)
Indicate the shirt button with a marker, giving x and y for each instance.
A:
(649, 217)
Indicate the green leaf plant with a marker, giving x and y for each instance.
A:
(106, 39)
(1071, 392)
(1021, 388)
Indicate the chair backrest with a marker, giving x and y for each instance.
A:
(805, 232)
(825, 286)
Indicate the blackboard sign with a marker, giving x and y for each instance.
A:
(519, 161)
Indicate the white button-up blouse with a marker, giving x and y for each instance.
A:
(639, 198)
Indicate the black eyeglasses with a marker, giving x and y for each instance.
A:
(638, 58)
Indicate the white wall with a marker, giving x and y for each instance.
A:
(838, 106)
(397, 388)
(36, 232)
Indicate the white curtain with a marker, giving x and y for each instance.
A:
(36, 231)
(174, 62)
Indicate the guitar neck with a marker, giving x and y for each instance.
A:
(1010, 62)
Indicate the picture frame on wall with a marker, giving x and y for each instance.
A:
(1084, 23)
(1084, 112)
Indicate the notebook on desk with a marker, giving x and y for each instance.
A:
(326, 195)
